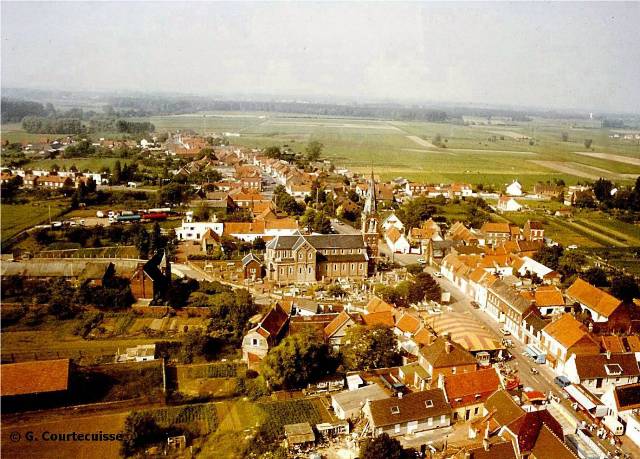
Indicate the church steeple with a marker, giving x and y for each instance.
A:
(370, 219)
(371, 205)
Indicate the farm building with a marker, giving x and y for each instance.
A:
(31, 385)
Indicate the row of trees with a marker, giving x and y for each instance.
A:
(42, 125)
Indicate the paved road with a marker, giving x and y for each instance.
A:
(342, 228)
(542, 381)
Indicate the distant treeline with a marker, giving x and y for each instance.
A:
(53, 125)
(14, 110)
(166, 106)
(44, 125)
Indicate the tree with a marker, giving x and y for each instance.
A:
(625, 288)
(335, 291)
(382, 447)
(565, 136)
(62, 300)
(423, 287)
(140, 429)
(142, 242)
(596, 276)
(273, 152)
(549, 256)
(298, 360)
(588, 143)
(259, 244)
(370, 348)
(602, 189)
(117, 172)
(195, 344)
(571, 263)
(314, 150)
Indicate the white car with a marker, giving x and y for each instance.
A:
(437, 273)
(505, 332)
(422, 261)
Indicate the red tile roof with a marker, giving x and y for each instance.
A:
(34, 377)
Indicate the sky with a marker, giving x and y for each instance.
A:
(545, 55)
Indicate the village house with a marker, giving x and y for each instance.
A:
(194, 231)
(623, 403)
(506, 306)
(348, 404)
(410, 413)
(498, 233)
(446, 357)
(139, 353)
(533, 231)
(564, 337)
(515, 189)
(317, 257)
(252, 267)
(546, 190)
(537, 435)
(467, 392)
(337, 329)
(265, 335)
(508, 204)
(392, 221)
(602, 306)
(396, 241)
(597, 373)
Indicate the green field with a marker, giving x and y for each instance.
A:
(18, 217)
(405, 149)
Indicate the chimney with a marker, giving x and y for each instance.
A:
(485, 444)
(441, 381)
(486, 431)
(608, 355)
(400, 395)
(448, 347)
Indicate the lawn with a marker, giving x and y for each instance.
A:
(18, 217)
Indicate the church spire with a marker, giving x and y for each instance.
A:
(371, 205)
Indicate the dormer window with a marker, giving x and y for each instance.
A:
(429, 403)
(613, 369)
(395, 410)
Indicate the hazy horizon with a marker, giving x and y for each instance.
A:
(545, 55)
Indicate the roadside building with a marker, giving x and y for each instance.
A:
(564, 337)
(410, 413)
(597, 373)
(466, 393)
(603, 307)
(34, 385)
(446, 357)
(257, 341)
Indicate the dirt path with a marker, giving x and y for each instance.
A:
(422, 142)
(588, 172)
(611, 157)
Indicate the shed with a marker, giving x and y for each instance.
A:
(299, 434)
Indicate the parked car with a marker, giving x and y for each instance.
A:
(505, 332)
(475, 305)
(437, 273)
(562, 381)
(422, 261)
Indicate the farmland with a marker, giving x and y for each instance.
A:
(18, 217)
(477, 153)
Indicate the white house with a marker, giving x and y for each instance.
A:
(392, 221)
(508, 204)
(623, 403)
(515, 189)
(396, 241)
(140, 353)
(193, 231)
(598, 373)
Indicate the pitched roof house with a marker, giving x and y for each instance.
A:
(406, 414)
(467, 392)
(446, 357)
(257, 341)
(599, 303)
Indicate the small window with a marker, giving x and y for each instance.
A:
(395, 410)
(254, 342)
(429, 403)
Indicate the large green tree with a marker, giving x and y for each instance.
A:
(369, 348)
(314, 150)
(298, 360)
